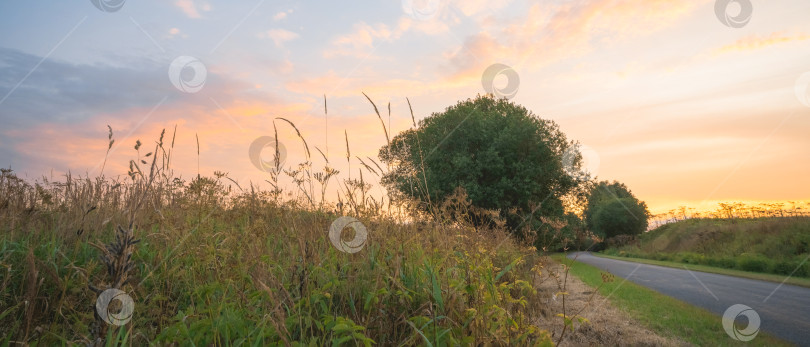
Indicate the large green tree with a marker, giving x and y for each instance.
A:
(613, 210)
(506, 158)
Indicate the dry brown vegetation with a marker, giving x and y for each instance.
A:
(606, 325)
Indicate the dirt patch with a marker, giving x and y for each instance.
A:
(606, 326)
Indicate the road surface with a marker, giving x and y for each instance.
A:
(784, 310)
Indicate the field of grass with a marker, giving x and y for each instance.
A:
(208, 262)
(770, 245)
(212, 267)
(665, 315)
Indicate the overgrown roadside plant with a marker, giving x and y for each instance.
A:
(224, 266)
(199, 281)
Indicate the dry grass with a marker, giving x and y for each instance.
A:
(247, 262)
(606, 325)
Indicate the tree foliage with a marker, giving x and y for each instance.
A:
(613, 210)
(506, 158)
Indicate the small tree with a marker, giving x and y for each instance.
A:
(613, 210)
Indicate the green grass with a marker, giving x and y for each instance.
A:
(767, 245)
(798, 281)
(664, 315)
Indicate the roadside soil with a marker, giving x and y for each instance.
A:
(606, 325)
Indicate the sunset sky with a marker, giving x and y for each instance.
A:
(683, 108)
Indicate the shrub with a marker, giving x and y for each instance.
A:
(753, 263)
(784, 267)
(692, 258)
(802, 269)
(722, 262)
(621, 241)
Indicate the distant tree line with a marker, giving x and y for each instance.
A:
(735, 210)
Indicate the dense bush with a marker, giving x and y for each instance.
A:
(621, 241)
(753, 263)
(723, 262)
(785, 267)
(691, 258)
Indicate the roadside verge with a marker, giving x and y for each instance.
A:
(662, 314)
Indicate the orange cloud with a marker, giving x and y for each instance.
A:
(361, 40)
(562, 30)
(552, 32)
(756, 42)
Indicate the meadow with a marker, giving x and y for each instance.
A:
(207, 261)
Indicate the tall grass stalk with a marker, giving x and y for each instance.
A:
(223, 266)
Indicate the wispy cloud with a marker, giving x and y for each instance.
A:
(190, 8)
(279, 36)
(756, 42)
(281, 15)
(551, 32)
(363, 37)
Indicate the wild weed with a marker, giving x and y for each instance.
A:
(208, 261)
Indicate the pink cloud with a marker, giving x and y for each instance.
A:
(188, 7)
(279, 36)
(552, 32)
(361, 40)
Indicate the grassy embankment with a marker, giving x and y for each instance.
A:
(771, 249)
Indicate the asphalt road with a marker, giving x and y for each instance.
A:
(784, 310)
